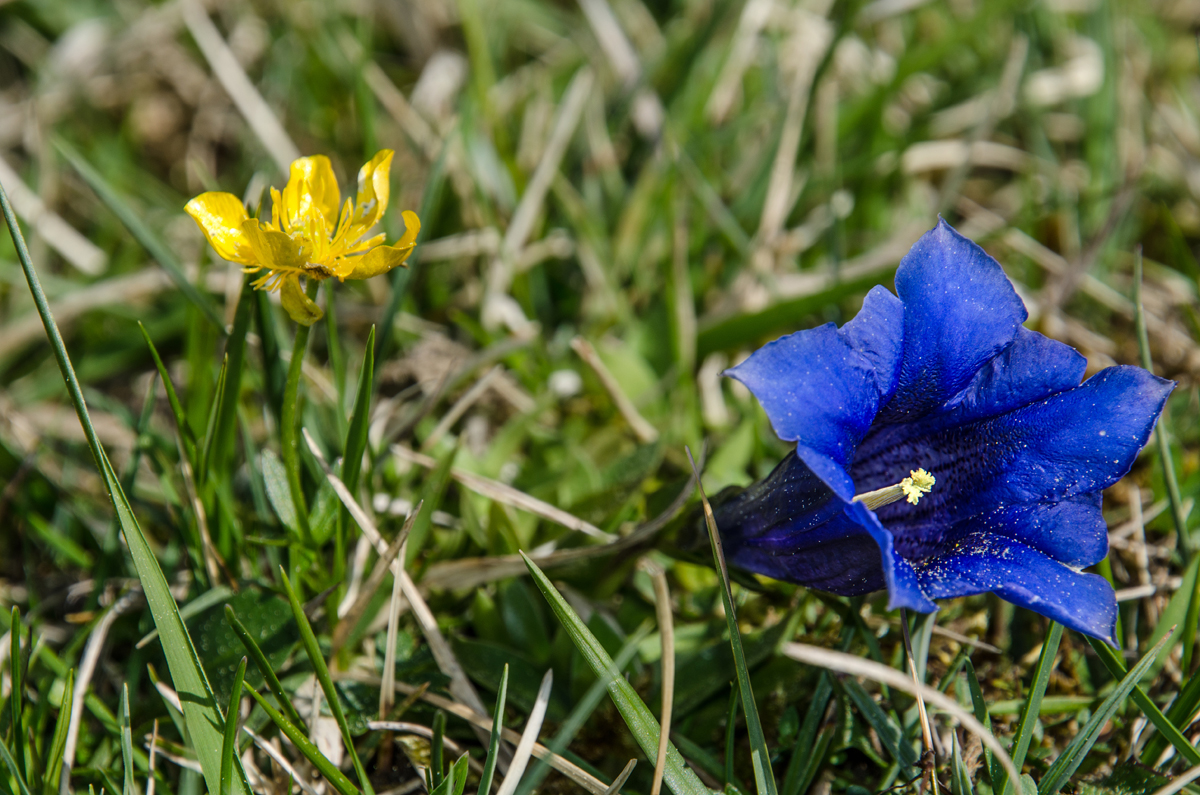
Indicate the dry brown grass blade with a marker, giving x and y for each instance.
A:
(666, 630)
(473, 572)
(645, 432)
(233, 78)
(380, 570)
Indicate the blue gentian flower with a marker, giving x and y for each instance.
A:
(943, 379)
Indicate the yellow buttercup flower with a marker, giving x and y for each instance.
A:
(307, 235)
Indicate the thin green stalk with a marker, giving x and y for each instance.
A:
(14, 659)
(1037, 689)
(288, 442)
(229, 749)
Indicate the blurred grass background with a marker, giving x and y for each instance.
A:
(672, 181)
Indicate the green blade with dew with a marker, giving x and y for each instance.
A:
(299, 738)
(760, 754)
(140, 230)
(203, 719)
(1112, 661)
(1072, 757)
(493, 755)
(322, 673)
(638, 717)
(54, 761)
(229, 746)
(1037, 689)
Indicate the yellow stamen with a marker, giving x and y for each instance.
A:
(918, 482)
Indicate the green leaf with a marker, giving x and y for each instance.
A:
(322, 672)
(210, 432)
(203, 719)
(638, 717)
(313, 754)
(1072, 757)
(960, 779)
(279, 493)
(455, 781)
(1037, 689)
(229, 746)
(437, 750)
(431, 496)
(140, 230)
(1112, 661)
(493, 755)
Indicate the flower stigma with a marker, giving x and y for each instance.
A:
(918, 483)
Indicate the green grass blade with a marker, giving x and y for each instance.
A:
(1112, 661)
(1037, 689)
(263, 664)
(360, 418)
(322, 672)
(437, 750)
(129, 785)
(890, 735)
(141, 232)
(960, 779)
(54, 761)
(235, 350)
(802, 759)
(313, 754)
(210, 432)
(7, 757)
(760, 754)
(229, 746)
(16, 696)
(981, 714)
(181, 422)
(456, 781)
(203, 719)
(580, 713)
(493, 755)
(1072, 757)
(638, 717)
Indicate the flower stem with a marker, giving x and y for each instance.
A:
(289, 419)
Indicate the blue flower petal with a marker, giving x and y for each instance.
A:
(1025, 577)
(1072, 531)
(791, 526)
(1072, 443)
(903, 585)
(822, 387)
(960, 310)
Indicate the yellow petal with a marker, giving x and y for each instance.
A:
(380, 259)
(373, 190)
(220, 216)
(311, 187)
(273, 249)
(299, 306)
